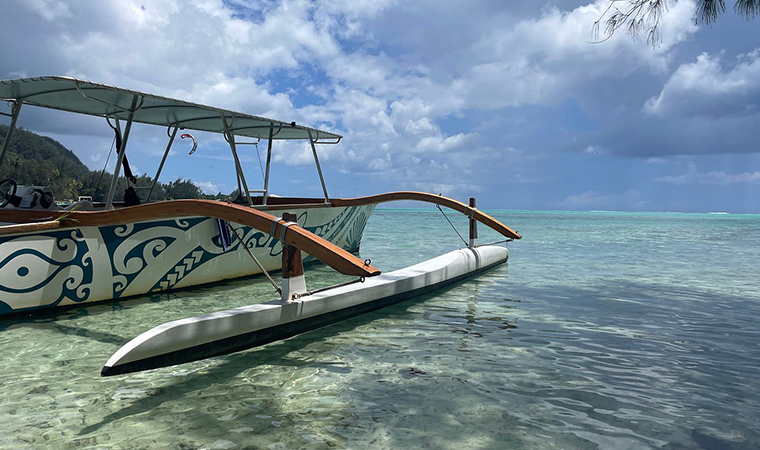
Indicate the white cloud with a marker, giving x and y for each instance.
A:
(421, 127)
(427, 100)
(440, 144)
(452, 190)
(705, 88)
(379, 164)
(593, 199)
(207, 187)
(542, 60)
(595, 150)
(50, 10)
(715, 177)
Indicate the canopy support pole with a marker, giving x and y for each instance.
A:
(163, 160)
(269, 163)
(240, 186)
(122, 152)
(14, 116)
(319, 168)
(230, 136)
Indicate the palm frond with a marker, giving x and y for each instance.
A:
(747, 8)
(707, 11)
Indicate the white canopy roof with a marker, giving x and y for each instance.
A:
(85, 97)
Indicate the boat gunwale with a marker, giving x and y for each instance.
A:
(288, 232)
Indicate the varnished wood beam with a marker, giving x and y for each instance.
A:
(325, 251)
(481, 217)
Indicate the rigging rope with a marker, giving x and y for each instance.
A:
(97, 187)
(507, 241)
(261, 267)
(316, 291)
(452, 225)
(258, 156)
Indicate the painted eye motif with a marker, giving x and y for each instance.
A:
(26, 270)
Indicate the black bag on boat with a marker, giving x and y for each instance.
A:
(130, 197)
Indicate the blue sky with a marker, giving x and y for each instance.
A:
(504, 101)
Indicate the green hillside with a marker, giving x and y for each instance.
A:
(33, 159)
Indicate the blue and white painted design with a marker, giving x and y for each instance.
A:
(61, 268)
(48, 269)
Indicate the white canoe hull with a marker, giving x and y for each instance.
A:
(237, 329)
(48, 269)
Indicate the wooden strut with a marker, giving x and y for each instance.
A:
(473, 226)
(325, 251)
(293, 282)
(470, 212)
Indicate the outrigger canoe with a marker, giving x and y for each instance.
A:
(54, 257)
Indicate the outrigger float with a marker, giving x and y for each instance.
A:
(52, 257)
(296, 312)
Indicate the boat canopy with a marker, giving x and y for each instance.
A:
(86, 97)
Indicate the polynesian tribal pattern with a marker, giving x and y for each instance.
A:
(62, 268)
(97, 263)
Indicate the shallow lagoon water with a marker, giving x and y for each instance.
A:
(605, 330)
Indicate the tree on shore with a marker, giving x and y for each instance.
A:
(33, 159)
(635, 16)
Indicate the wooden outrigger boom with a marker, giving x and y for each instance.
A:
(471, 212)
(288, 232)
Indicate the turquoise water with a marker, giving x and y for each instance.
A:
(606, 330)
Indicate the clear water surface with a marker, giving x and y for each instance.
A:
(606, 330)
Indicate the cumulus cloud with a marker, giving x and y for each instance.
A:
(449, 97)
(542, 60)
(709, 87)
(440, 144)
(49, 9)
(207, 187)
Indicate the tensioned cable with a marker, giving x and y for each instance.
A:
(261, 267)
(452, 225)
(317, 291)
(97, 187)
(258, 157)
(507, 241)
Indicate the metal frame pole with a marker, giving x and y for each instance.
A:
(240, 186)
(238, 167)
(122, 152)
(163, 160)
(319, 168)
(269, 162)
(118, 130)
(14, 116)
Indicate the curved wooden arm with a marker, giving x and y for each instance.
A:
(325, 251)
(481, 217)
